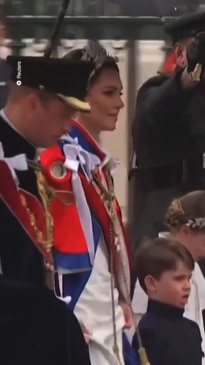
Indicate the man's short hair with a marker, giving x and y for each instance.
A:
(159, 255)
(20, 92)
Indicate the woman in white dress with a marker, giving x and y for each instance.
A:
(99, 291)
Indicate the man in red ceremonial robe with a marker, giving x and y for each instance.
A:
(36, 327)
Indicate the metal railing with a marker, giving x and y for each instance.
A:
(84, 27)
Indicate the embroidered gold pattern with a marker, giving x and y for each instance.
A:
(43, 191)
(38, 233)
(108, 199)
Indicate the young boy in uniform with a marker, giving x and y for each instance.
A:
(164, 271)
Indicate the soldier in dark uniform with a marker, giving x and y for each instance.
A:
(5, 69)
(5, 73)
(169, 129)
(36, 327)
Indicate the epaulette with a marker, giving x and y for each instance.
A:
(154, 81)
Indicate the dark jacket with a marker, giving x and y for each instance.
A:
(169, 128)
(37, 328)
(169, 141)
(5, 73)
(168, 337)
(20, 259)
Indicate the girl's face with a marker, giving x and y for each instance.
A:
(104, 97)
(197, 244)
(193, 240)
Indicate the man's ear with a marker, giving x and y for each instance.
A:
(180, 54)
(32, 102)
(150, 283)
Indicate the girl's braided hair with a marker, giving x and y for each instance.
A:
(188, 210)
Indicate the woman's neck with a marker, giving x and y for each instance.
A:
(95, 134)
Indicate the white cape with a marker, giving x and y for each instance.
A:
(94, 311)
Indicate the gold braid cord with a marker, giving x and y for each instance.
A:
(42, 189)
(47, 194)
(109, 200)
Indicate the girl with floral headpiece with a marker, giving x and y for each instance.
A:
(91, 249)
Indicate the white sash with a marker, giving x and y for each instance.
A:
(77, 157)
(17, 162)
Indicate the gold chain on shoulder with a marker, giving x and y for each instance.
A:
(108, 199)
(45, 198)
(39, 235)
(47, 194)
(42, 189)
(50, 191)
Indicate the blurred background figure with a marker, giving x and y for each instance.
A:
(4, 68)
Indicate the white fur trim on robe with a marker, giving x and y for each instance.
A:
(17, 162)
(94, 310)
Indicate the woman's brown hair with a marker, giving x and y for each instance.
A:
(188, 210)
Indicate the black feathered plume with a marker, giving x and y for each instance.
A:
(52, 41)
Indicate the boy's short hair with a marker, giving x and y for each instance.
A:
(159, 255)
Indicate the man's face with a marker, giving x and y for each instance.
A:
(48, 120)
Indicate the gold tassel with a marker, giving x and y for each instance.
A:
(143, 356)
(197, 72)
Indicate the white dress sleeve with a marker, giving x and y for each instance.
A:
(139, 302)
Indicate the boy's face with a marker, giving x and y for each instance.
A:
(173, 287)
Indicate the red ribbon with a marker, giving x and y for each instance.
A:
(70, 237)
(170, 63)
(68, 233)
(11, 195)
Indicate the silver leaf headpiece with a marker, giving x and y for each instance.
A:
(96, 53)
(196, 223)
